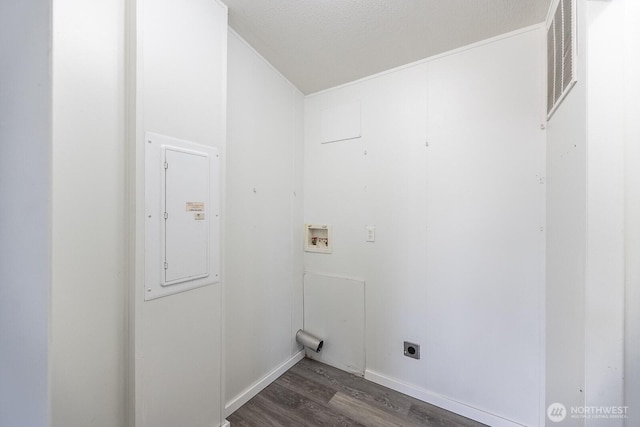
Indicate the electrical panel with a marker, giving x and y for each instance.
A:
(182, 216)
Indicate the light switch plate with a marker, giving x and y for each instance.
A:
(371, 233)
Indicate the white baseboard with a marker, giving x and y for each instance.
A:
(260, 385)
(440, 401)
(226, 424)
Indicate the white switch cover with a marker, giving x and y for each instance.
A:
(371, 233)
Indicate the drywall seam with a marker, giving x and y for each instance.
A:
(130, 169)
(223, 220)
(542, 294)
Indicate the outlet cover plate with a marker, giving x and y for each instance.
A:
(412, 350)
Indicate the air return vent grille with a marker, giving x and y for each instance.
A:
(561, 53)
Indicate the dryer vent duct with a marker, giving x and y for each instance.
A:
(309, 341)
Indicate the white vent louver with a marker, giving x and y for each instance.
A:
(561, 53)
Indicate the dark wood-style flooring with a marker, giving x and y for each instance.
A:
(314, 394)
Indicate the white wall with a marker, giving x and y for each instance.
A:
(458, 261)
(632, 212)
(181, 92)
(25, 212)
(566, 241)
(592, 216)
(605, 280)
(88, 291)
(264, 222)
(612, 333)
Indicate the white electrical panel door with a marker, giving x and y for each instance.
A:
(182, 215)
(186, 200)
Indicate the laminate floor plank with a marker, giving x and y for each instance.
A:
(312, 394)
(259, 411)
(306, 387)
(429, 415)
(305, 411)
(355, 386)
(361, 410)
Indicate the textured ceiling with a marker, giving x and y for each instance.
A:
(318, 44)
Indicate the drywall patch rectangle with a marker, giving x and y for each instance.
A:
(334, 311)
(182, 216)
(341, 123)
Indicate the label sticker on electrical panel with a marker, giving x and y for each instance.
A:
(195, 206)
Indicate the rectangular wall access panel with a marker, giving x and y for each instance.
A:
(334, 311)
(341, 122)
(182, 241)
